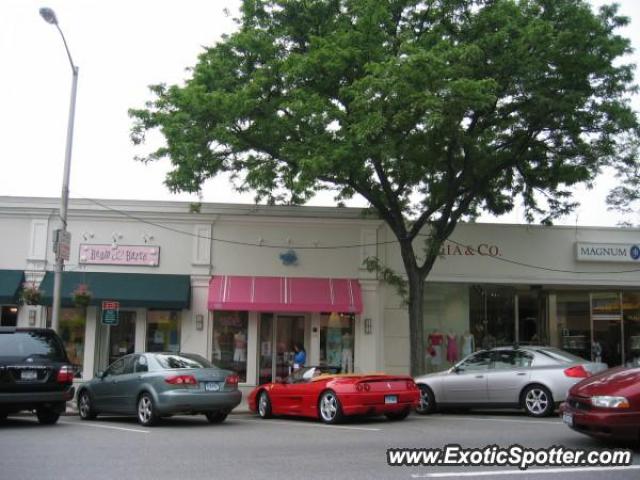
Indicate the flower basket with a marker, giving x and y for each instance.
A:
(30, 294)
(81, 295)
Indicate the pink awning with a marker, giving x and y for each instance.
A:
(284, 294)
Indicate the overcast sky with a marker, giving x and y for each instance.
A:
(121, 47)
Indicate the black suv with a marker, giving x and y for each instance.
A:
(35, 373)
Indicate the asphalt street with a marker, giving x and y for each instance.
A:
(246, 447)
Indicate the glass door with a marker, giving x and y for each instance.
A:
(607, 329)
(122, 336)
(278, 336)
(631, 326)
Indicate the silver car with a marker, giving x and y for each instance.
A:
(536, 379)
(154, 385)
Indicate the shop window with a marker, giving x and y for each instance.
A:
(492, 315)
(72, 331)
(9, 316)
(574, 323)
(336, 341)
(163, 331)
(230, 342)
(631, 317)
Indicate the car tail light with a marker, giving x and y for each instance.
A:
(363, 387)
(232, 380)
(576, 372)
(411, 385)
(181, 380)
(65, 374)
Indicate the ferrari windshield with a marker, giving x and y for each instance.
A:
(305, 374)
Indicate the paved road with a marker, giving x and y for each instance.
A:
(247, 447)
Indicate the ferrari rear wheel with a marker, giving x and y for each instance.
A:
(264, 405)
(330, 408)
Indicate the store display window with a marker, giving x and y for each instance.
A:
(163, 331)
(336, 341)
(230, 342)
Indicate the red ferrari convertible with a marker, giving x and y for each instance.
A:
(321, 392)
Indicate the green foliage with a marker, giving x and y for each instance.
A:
(389, 276)
(433, 111)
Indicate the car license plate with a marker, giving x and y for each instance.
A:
(28, 375)
(211, 387)
(568, 419)
(390, 399)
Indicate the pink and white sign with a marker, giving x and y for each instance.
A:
(144, 256)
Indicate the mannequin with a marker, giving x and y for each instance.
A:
(452, 347)
(217, 352)
(468, 343)
(347, 353)
(436, 341)
(596, 351)
(239, 347)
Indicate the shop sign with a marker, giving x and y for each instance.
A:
(607, 252)
(131, 255)
(110, 313)
(481, 249)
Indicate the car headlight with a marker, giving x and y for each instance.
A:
(610, 402)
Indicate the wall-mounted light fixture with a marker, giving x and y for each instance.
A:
(32, 318)
(367, 326)
(87, 235)
(147, 238)
(199, 321)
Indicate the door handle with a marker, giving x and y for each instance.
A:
(479, 376)
(521, 373)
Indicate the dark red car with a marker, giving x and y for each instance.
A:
(321, 392)
(606, 405)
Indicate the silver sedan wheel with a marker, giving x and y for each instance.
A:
(536, 401)
(85, 405)
(145, 410)
(328, 407)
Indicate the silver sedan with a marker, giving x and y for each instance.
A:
(536, 379)
(154, 385)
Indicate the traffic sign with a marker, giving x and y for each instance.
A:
(110, 313)
(62, 244)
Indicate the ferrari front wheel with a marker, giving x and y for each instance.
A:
(264, 405)
(330, 408)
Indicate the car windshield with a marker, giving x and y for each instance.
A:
(19, 346)
(182, 360)
(561, 355)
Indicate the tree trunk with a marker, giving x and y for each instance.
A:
(416, 323)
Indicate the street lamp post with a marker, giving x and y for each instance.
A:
(62, 240)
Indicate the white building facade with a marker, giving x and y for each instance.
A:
(242, 284)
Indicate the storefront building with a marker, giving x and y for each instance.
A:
(243, 286)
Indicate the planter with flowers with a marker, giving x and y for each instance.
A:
(30, 294)
(81, 295)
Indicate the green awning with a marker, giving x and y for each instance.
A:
(130, 289)
(10, 283)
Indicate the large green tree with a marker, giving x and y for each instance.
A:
(433, 111)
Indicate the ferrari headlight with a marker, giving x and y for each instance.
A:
(609, 402)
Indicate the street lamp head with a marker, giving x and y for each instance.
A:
(49, 15)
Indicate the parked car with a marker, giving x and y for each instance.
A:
(155, 385)
(606, 405)
(535, 379)
(322, 392)
(35, 373)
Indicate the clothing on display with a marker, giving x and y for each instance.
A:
(347, 353)
(468, 344)
(436, 341)
(240, 347)
(452, 348)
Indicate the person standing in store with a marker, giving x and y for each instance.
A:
(299, 357)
